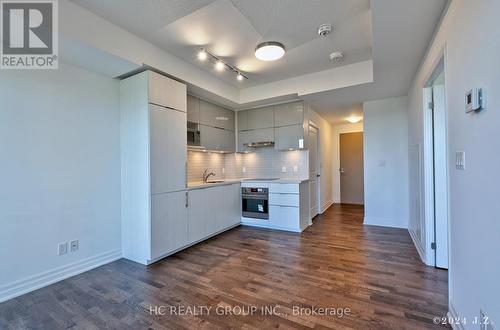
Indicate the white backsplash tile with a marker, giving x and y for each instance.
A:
(263, 163)
(268, 163)
(199, 161)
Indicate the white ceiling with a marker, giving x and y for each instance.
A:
(232, 28)
(393, 34)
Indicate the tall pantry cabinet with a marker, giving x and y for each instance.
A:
(153, 174)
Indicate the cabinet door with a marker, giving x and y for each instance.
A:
(193, 109)
(242, 120)
(289, 137)
(197, 215)
(209, 113)
(169, 226)
(226, 119)
(230, 141)
(242, 140)
(212, 138)
(289, 114)
(167, 92)
(167, 149)
(260, 135)
(233, 198)
(260, 118)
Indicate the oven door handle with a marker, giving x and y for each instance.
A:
(255, 197)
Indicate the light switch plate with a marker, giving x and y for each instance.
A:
(62, 248)
(295, 168)
(460, 160)
(244, 169)
(283, 169)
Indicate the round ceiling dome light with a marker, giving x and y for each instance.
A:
(269, 51)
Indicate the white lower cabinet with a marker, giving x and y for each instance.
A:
(284, 217)
(212, 210)
(169, 225)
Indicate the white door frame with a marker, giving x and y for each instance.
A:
(318, 164)
(428, 161)
(336, 171)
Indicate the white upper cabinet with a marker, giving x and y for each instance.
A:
(167, 92)
(167, 149)
(226, 119)
(193, 109)
(209, 113)
(289, 114)
(290, 137)
(260, 118)
(242, 120)
(216, 116)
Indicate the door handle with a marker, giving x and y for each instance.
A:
(187, 199)
(318, 175)
(341, 170)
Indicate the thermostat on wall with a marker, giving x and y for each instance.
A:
(474, 99)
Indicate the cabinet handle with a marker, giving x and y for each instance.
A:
(187, 199)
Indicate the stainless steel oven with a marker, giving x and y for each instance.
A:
(255, 202)
(193, 134)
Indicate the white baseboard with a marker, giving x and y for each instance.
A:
(385, 222)
(31, 283)
(325, 206)
(452, 314)
(418, 246)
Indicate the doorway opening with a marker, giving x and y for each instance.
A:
(436, 168)
(314, 171)
(351, 168)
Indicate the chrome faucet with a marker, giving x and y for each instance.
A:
(207, 175)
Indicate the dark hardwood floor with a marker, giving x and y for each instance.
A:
(337, 263)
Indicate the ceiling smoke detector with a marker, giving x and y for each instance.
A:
(325, 29)
(337, 56)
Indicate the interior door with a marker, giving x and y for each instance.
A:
(351, 168)
(440, 174)
(314, 172)
(168, 149)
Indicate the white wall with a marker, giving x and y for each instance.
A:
(386, 162)
(335, 152)
(60, 177)
(326, 148)
(471, 37)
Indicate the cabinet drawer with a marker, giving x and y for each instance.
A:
(287, 188)
(284, 199)
(284, 216)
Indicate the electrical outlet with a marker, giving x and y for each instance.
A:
(223, 170)
(283, 169)
(244, 169)
(62, 248)
(74, 245)
(295, 168)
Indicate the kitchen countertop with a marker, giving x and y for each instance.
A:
(202, 185)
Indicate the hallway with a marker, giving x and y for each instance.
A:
(337, 263)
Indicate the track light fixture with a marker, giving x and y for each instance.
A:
(219, 64)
